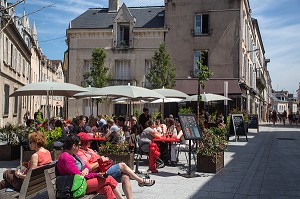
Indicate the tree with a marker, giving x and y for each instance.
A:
(203, 75)
(162, 72)
(97, 76)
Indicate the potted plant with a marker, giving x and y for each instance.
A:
(210, 153)
(11, 137)
(118, 153)
(52, 136)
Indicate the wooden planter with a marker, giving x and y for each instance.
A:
(208, 164)
(9, 152)
(127, 158)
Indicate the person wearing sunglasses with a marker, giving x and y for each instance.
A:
(14, 178)
(120, 171)
(70, 164)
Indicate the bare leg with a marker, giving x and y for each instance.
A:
(126, 186)
(125, 169)
(117, 193)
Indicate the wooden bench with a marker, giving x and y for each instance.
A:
(51, 187)
(33, 184)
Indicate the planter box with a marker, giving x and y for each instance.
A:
(207, 164)
(127, 158)
(8, 152)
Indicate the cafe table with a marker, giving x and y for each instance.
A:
(96, 142)
(166, 139)
(169, 141)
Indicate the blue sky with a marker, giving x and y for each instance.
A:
(279, 22)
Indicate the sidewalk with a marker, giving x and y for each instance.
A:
(267, 166)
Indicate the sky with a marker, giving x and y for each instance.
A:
(279, 23)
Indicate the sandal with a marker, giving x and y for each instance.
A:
(147, 183)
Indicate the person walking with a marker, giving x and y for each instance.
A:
(284, 115)
(274, 117)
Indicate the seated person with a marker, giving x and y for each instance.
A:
(184, 145)
(113, 134)
(70, 164)
(120, 172)
(148, 134)
(14, 178)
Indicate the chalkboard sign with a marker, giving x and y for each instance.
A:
(253, 121)
(237, 125)
(189, 126)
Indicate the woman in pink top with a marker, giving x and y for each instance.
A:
(70, 164)
(42, 156)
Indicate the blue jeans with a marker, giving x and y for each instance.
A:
(115, 172)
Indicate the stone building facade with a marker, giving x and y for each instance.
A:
(20, 65)
(227, 39)
(222, 34)
(129, 36)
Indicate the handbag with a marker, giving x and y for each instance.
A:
(104, 165)
(70, 186)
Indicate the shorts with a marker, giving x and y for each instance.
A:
(115, 172)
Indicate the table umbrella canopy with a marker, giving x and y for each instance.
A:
(49, 88)
(133, 92)
(124, 100)
(206, 97)
(166, 100)
(92, 92)
(171, 93)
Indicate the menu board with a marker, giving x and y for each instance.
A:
(237, 124)
(253, 121)
(190, 127)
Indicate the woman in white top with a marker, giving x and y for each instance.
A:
(175, 147)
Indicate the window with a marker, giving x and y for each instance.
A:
(19, 63)
(14, 58)
(200, 55)
(24, 70)
(87, 66)
(5, 50)
(123, 36)
(16, 104)
(148, 65)
(9, 54)
(122, 70)
(6, 99)
(201, 24)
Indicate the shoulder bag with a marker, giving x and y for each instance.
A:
(70, 186)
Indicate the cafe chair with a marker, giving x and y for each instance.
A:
(186, 151)
(141, 150)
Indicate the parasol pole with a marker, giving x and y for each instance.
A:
(48, 108)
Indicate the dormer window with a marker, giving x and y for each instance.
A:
(123, 35)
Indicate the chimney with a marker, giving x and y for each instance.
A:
(114, 5)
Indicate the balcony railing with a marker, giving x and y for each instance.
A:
(260, 80)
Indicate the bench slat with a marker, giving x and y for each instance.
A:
(33, 183)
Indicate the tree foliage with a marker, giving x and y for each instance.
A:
(162, 71)
(203, 75)
(97, 76)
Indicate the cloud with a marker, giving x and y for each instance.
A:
(279, 23)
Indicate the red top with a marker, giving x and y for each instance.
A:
(43, 158)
